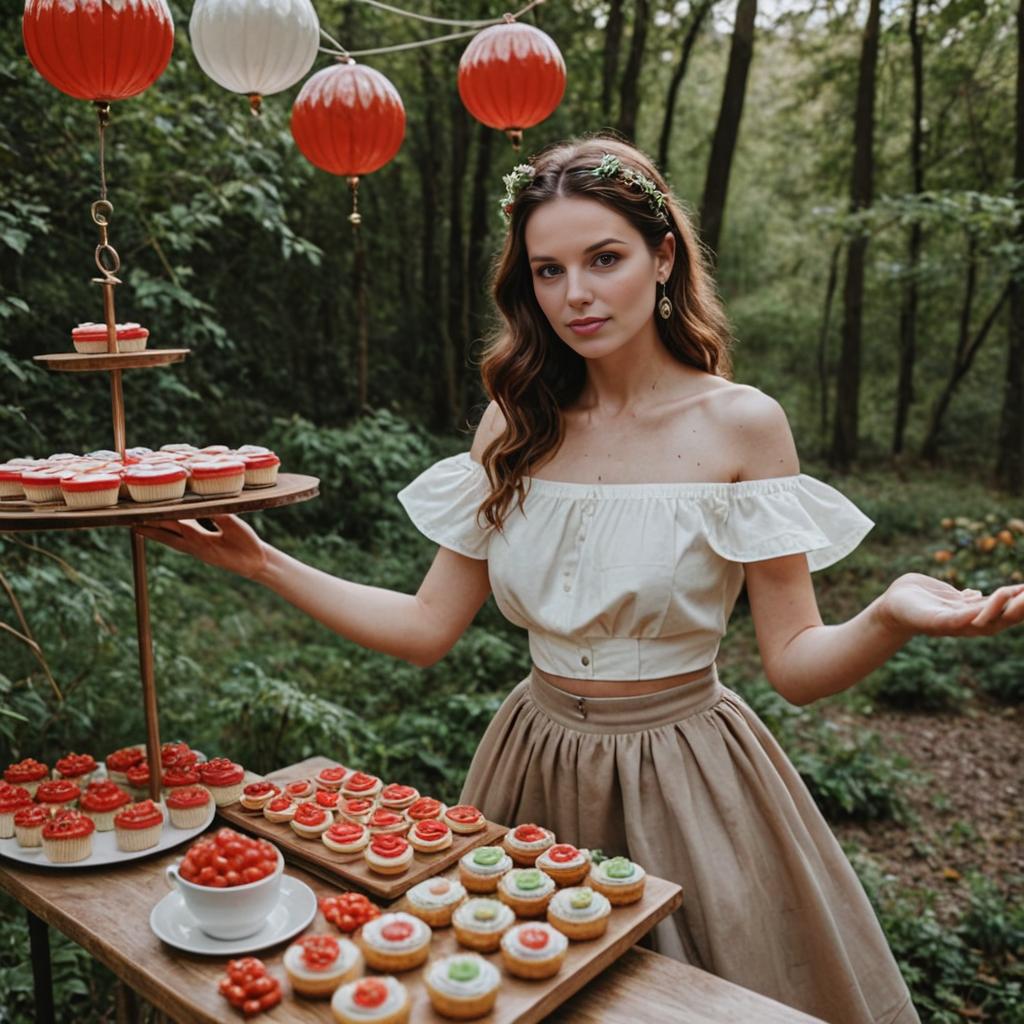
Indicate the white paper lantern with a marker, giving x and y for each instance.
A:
(256, 47)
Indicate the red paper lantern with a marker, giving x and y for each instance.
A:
(99, 50)
(348, 119)
(511, 77)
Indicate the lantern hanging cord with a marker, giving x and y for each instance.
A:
(103, 116)
(340, 50)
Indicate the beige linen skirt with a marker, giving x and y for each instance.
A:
(691, 784)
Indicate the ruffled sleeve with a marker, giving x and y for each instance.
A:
(759, 519)
(443, 501)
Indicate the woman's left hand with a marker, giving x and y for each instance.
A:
(915, 603)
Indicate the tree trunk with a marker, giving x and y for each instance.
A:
(1010, 464)
(716, 185)
(610, 69)
(826, 327)
(844, 440)
(908, 312)
(629, 96)
(678, 74)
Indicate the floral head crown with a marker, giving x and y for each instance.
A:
(521, 176)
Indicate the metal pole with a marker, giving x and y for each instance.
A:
(42, 980)
(146, 663)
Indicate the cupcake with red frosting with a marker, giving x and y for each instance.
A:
(138, 826)
(121, 760)
(396, 797)
(27, 774)
(430, 836)
(91, 339)
(28, 825)
(389, 854)
(78, 768)
(217, 477)
(257, 795)
(57, 794)
(359, 784)
(68, 837)
(41, 484)
(346, 837)
(10, 481)
(280, 809)
(12, 800)
(178, 776)
(138, 781)
(156, 481)
(90, 490)
(101, 801)
(261, 469)
(189, 806)
(525, 843)
(223, 778)
(464, 819)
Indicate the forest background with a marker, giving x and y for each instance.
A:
(855, 168)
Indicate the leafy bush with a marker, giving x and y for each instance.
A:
(924, 675)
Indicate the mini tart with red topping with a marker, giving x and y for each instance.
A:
(317, 964)
(299, 789)
(121, 760)
(332, 777)
(280, 809)
(223, 477)
(566, 864)
(328, 799)
(58, 793)
(525, 843)
(360, 784)
(78, 768)
(388, 854)
(464, 818)
(68, 837)
(101, 801)
(90, 490)
(434, 901)
(383, 821)
(12, 800)
(28, 825)
(138, 781)
(257, 795)
(346, 837)
(371, 1001)
(311, 821)
(138, 826)
(533, 950)
(425, 807)
(430, 836)
(178, 776)
(397, 797)
(156, 481)
(261, 469)
(481, 869)
(223, 778)
(358, 809)
(27, 774)
(189, 806)
(395, 942)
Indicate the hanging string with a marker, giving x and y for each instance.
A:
(340, 51)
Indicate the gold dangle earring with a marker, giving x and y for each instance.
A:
(664, 303)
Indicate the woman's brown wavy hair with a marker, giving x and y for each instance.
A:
(527, 369)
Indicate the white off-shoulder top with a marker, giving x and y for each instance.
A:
(629, 581)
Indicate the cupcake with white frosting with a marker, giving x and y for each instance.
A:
(434, 901)
(463, 986)
(533, 950)
(371, 1001)
(317, 964)
(579, 913)
(525, 843)
(527, 891)
(481, 869)
(480, 923)
(565, 863)
(620, 879)
(395, 942)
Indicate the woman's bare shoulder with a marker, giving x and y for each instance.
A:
(490, 427)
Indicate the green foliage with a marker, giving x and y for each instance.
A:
(924, 675)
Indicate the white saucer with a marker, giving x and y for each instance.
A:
(172, 923)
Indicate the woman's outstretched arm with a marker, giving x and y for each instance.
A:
(805, 659)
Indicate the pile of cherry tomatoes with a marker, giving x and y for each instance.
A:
(228, 859)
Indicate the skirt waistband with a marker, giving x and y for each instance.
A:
(626, 714)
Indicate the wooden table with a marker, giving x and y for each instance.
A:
(107, 912)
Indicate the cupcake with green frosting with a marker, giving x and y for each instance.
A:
(462, 987)
(620, 879)
(481, 869)
(527, 891)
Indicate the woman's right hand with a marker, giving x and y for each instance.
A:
(233, 545)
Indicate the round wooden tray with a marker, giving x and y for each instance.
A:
(290, 489)
(84, 362)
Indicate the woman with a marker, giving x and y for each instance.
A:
(618, 493)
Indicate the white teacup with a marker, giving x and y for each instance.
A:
(234, 912)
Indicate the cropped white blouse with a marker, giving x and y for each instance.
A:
(629, 581)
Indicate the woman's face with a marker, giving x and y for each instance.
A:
(593, 274)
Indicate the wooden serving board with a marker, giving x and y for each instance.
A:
(348, 868)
